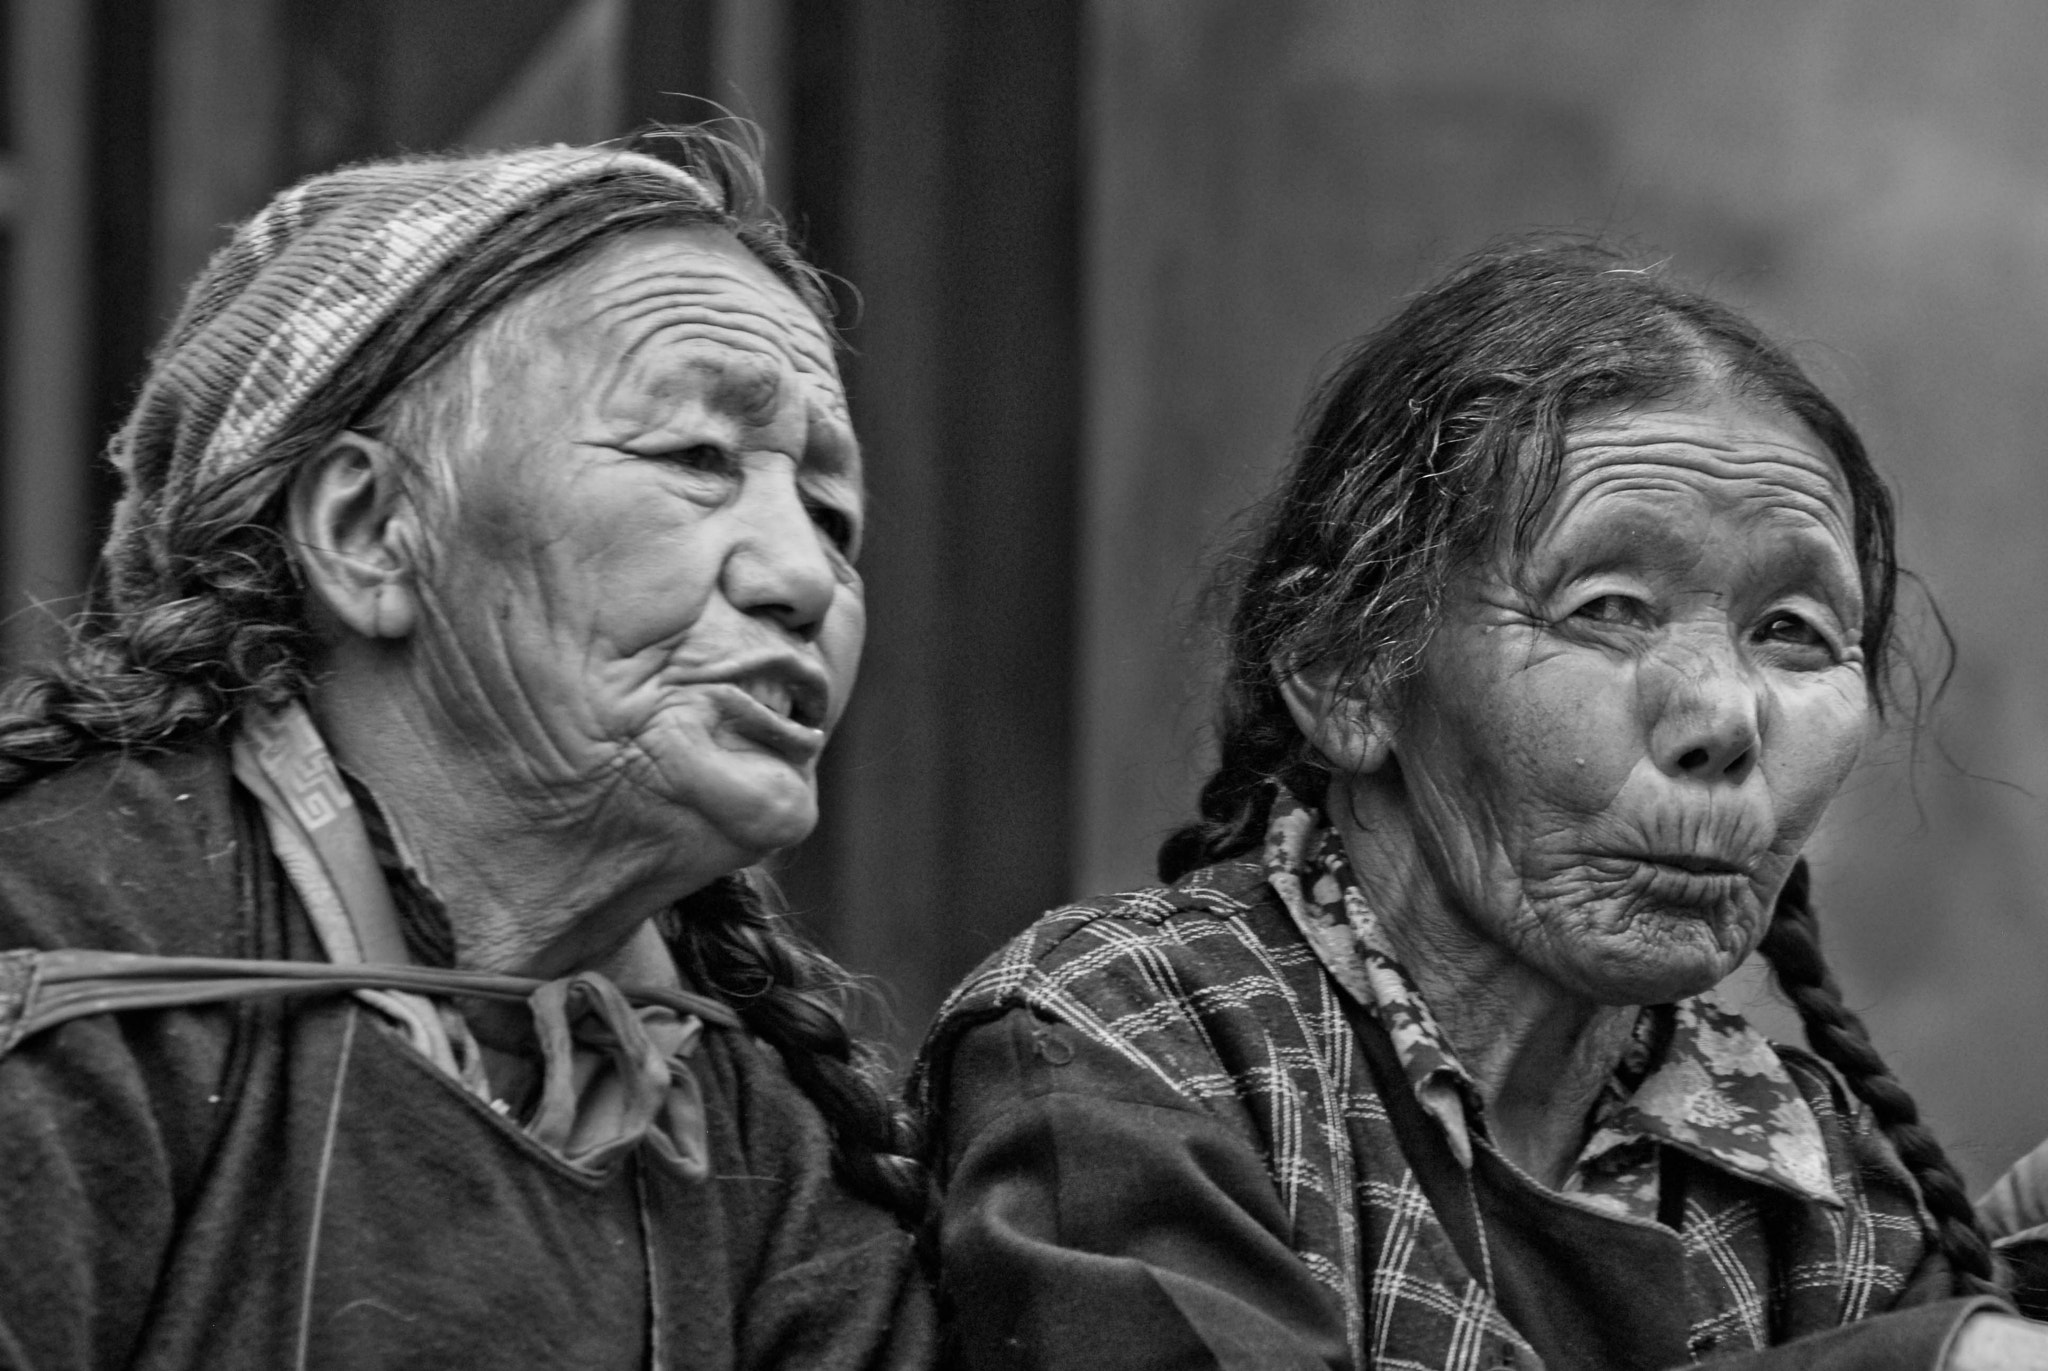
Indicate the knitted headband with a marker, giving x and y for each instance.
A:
(299, 288)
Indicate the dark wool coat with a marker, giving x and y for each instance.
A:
(273, 1186)
(1165, 1141)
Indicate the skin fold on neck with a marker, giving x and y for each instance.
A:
(526, 892)
(1538, 1054)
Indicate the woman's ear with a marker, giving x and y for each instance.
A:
(1344, 719)
(357, 534)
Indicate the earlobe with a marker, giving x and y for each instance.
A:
(356, 532)
(1346, 724)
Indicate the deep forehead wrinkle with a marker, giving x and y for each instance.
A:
(680, 293)
(1633, 486)
(1677, 455)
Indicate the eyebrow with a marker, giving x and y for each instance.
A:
(1809, 555)
(746, 383)
(831, 448)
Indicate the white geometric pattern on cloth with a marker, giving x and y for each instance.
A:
(291, 754)
(1704, 1081)
(329, 320)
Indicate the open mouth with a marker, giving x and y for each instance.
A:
(790, 690)
(781, 697)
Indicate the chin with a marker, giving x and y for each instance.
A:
(1646, 975)
(1651, 961)
(1632, 947)
(750, 811)
(771, 826)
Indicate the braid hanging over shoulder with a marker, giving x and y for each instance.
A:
(732, 939)
(1792, 947)
(1237, 799)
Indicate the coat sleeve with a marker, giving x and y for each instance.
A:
(2015, 1212)
(1916, 1339)
(106, 1122)
(98, 1137)
(827, 1280)
(2018, 1200)
(1095, 1218)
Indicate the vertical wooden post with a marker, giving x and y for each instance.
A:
(49, 440)
(669, 56)
(937, 167)
(751, 43)
(220, 142)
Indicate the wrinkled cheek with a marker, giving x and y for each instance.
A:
(1808, 769)
(628, 617)
(1549, 741)
(462, 644)
(689, 758)
(1618, 946)
(1523, 819)
(1560, 887)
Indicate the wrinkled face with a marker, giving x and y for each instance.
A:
(641, 599)
(1618, 746)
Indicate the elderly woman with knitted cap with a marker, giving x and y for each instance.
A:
(391, 983)
(1566, 622)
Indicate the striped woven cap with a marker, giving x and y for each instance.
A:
(298, 289)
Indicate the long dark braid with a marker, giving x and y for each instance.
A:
(1259, 745)
(228, 634)
(1433, 436)
(1792, 947)
(733, 939)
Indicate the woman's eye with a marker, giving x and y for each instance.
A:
(1611, 609)
(835, 524)
(708, 457)
(1789, 628)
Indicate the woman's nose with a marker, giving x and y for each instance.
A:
(1708, 721)
(779, 565)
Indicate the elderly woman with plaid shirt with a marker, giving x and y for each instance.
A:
(1569, 619)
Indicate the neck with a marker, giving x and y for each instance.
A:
(529, 887)
(1538, 1054)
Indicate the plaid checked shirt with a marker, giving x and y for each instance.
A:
(1224, 998)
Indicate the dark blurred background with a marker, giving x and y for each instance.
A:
(1101, 247)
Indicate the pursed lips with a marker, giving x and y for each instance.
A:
(1693, 863)
(1695, 841)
